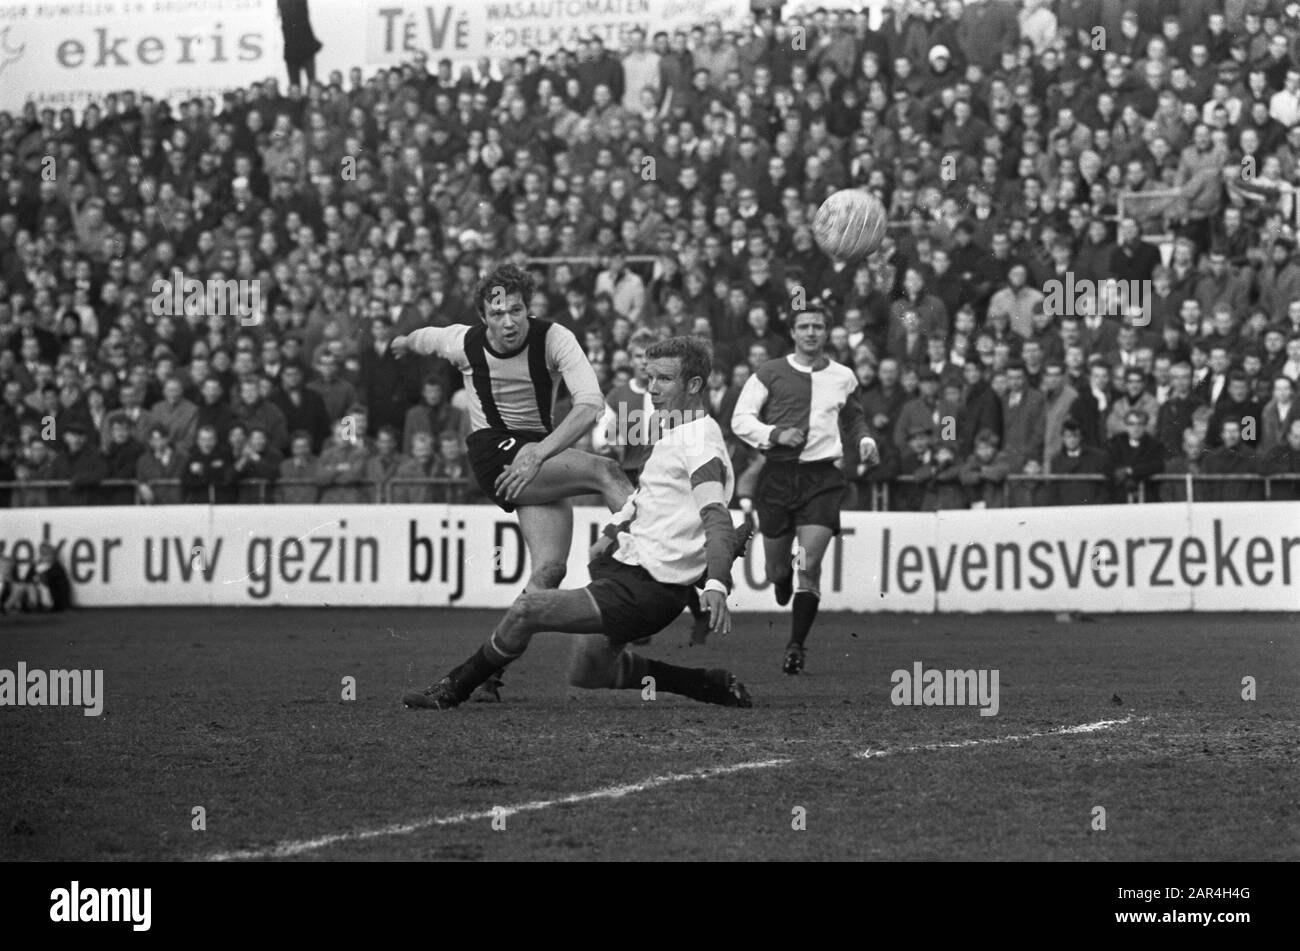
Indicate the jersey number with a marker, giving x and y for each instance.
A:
(506, 444)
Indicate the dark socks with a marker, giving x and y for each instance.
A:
(481, 665)
(688, 681)
(805, 612)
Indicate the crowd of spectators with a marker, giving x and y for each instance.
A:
(669, 185)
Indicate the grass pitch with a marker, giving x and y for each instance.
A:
(241, 713)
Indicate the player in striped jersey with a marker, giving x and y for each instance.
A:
(513, 365)
(675, 529)
(793, 409)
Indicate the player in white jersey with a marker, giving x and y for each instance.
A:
(673, 530)
(793, 409)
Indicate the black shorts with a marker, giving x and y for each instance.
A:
(791, 494)
(490, 451)
(632, 604)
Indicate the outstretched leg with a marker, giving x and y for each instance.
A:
(574, 472)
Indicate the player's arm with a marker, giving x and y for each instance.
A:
(436, 341)
(853, 423)
(744, 418)
(564, 353)
(708, 487)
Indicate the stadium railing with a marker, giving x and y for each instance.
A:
(879, 495)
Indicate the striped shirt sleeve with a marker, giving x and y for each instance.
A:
(564, 354)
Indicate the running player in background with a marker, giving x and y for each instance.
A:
(626, 427)
(793, 409)
(675, 529)
(513, 365)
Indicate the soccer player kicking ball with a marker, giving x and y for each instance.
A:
(513, 365)
(793, 409)
(673, 530)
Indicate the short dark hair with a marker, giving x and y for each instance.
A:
(511, 279)
(696, 356)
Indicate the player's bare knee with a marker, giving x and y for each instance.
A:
(547, 575)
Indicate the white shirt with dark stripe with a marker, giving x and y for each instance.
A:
(666, 534)
(783, 395)
(514, 391)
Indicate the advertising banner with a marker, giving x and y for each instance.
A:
(1158, 557)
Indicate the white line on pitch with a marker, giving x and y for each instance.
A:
(994, 740)
(289, 849)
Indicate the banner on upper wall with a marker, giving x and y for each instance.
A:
(1158, 557)
(67, 54)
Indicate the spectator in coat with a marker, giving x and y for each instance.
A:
(384, 379)
(209, 471)
(1134, 397)
(1278, 415)
(81, 465)
(382, 465)
(1237, 404)
(177, 415)
(162, 463)
(1133, 457)
(343, 467)
(1058, 402)
(120, 460)
(980, 408)
(337, 392)
(984, 473)
(254, 412)
(303, 408)
(1077, 458)
(1175, 414)
(1024, 413)
(418, 465)
(1187, 461)
(257, 468)
(923, 412)
(1284, 459)
(299, 474)
(433, 414)
(1093, 405)
(1232, 458)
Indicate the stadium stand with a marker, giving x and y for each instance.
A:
(1089, 292)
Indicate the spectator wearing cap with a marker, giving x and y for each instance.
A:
(984, 472)
(924, 412)
(1077, 459)
(81, 465)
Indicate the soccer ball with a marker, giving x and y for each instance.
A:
(850, 224)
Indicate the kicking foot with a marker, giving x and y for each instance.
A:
(439, 696)
(725, 690)
(793, 663)
(489, 691)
